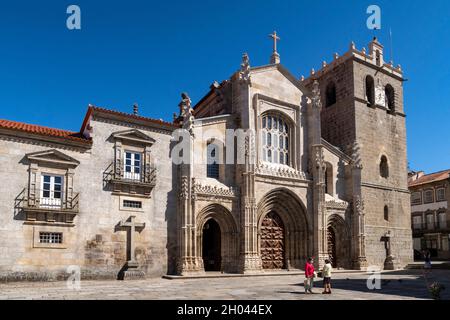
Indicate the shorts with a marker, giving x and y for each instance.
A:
(326, 280)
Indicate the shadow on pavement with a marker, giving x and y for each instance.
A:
(403, 283)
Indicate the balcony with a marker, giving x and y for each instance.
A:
(43, 209)
(118, 181)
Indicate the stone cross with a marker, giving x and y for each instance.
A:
(133, 225)
(275, 38)
(387, 243)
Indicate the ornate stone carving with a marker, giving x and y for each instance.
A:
(214, 190)
(244, 73)
(356, 155)
(359, 205)
(184, 188)
(319, 159)
(332, 204)
(279, 171)
(186, 113)
(316, 103)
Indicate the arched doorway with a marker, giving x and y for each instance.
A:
(331, 237)
(283, 237)
(211, 246)
(272, 242)
(338, 242)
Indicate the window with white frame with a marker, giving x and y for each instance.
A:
(430, 221)
(132, 204)
(440, 194)
(416, 198)
(442, 220)
(428, 196)
(50, 237)
(275, 139)
(417, 222)
(51, 190)
(132, 165)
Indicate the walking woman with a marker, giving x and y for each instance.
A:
(326, 272)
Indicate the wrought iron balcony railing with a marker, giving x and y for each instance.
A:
(115, 174)
(33, 200)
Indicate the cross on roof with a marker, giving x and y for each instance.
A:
(275, 38)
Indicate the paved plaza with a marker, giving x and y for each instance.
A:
(399, 285)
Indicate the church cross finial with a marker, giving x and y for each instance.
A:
(275, 58)
(275, 39)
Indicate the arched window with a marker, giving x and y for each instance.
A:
(212, 164)
(384, 167)
(330, 94)
(275, 139)
(386, 213)
(370, 90)
(390, 97)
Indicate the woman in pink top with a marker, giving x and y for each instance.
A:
(309, 275)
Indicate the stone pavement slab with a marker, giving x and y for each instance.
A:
(398, 285)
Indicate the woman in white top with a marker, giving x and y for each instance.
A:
(326, 273)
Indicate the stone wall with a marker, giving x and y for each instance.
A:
(93, 242)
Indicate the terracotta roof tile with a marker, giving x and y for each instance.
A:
(43, 131)
(429, 178)
(133, 116)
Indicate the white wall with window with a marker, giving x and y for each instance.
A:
(275, 139)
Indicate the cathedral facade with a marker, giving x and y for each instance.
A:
(263, 172)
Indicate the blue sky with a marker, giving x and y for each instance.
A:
(148, 52)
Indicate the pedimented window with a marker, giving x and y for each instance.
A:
(132, 170)
(49, 194)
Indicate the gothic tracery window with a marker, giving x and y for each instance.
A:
(275, 139)
(212, 166)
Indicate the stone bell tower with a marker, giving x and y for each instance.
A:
(363, 110)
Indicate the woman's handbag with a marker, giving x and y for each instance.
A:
(320, 274)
